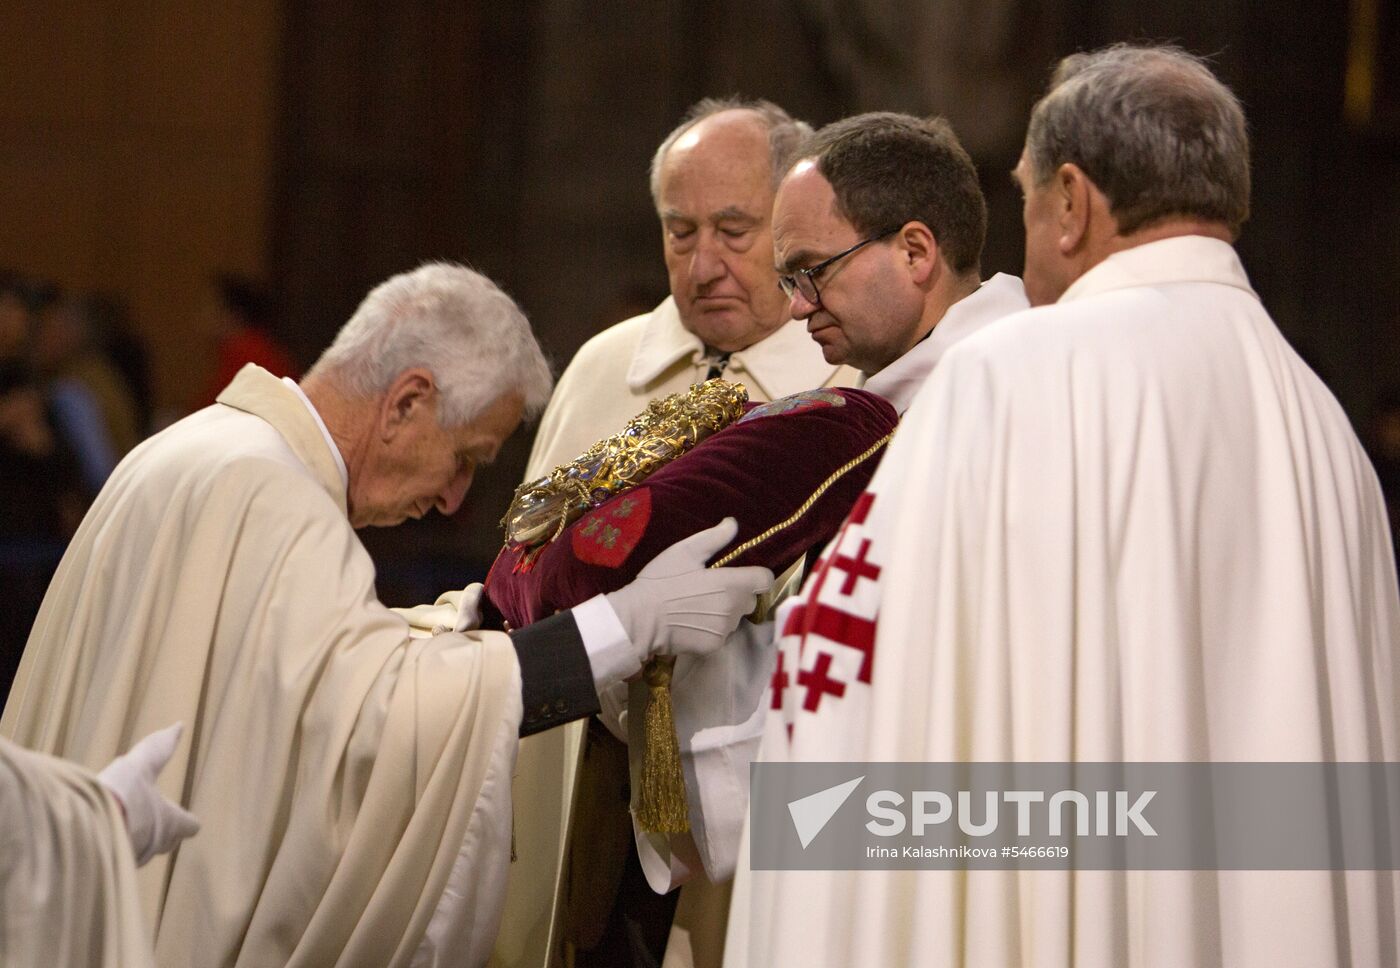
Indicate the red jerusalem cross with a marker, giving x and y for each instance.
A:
(856, 568)
(819, 682)
(780, 683)
(847, 629)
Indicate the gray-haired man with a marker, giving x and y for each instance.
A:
(1132, 526)
(353, 782)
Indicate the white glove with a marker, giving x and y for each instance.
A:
(155, 824)
(677, 606)
(469, 608)
(455, 611)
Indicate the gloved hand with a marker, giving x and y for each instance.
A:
(469, 608)
(455, 611)
(677, 606)
(155, 824)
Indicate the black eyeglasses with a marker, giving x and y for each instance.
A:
(805, 280)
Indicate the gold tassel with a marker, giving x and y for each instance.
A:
(661, 806)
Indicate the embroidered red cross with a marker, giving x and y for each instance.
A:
(780, 683)
(856, 568)
(833, 624)
(814, 618)
(819, 682)
(859, 511)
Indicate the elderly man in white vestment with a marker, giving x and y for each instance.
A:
(353, 781)
(712, 180)
(1132, 526)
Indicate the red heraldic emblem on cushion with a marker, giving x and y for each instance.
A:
(607, 536)
(788, 471)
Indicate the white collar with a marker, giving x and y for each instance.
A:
(321, 425)
(1182, 258)
(899, 382)
(782, 363)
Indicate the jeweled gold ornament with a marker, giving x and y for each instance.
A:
(667, 428)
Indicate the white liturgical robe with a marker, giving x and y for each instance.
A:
(353, 783)
(67, 878)
(1129, 527)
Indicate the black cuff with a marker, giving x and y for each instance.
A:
(556, 678)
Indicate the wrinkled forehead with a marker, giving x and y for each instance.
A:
(1024, 174)
(709, 193)
(720, 163)
(482, 436)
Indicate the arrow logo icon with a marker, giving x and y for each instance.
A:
(811, 813)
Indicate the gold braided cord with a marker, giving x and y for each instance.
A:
(796, 516)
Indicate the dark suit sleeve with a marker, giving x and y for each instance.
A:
(556, 678)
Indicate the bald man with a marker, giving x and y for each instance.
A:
(712, 181)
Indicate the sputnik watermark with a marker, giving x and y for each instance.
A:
(1109, 806)
(1105, 816)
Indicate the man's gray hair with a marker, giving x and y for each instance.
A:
(1153, 128)
(785, 134)
(452, 321)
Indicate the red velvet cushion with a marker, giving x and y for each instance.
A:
(760, 470)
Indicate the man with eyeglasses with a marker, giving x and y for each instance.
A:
(878, 231)
(712, 181)
(878, 228)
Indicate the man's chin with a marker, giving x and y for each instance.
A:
(726, 329)
(834, 351)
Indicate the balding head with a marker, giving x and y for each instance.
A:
(713, 181)
(785, 134)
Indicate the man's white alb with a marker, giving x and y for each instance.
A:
(1132, 526)
(340, 770)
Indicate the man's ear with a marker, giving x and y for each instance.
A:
(1074, 194)
(412, 390)
(920, 250)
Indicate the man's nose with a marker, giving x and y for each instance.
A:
(800, 307)
(707, 264)
(451, 496)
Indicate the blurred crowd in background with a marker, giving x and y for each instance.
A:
(75, 397)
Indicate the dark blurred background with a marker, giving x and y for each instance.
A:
(150, 151)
